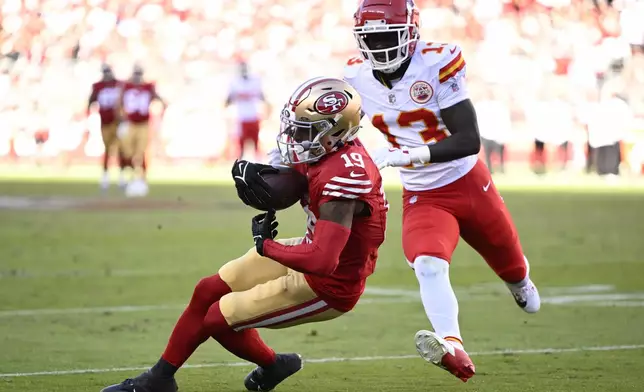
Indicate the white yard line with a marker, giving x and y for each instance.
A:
(578, 295)
(106, 309)
(333, 359)
(148, 308)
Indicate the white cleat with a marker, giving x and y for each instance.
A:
(137, 188)
(438, 351)
(526, 296)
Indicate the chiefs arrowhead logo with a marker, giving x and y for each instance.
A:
(421, 92)
(331, 103)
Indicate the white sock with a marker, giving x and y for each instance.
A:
(106, 176)
(438, 296)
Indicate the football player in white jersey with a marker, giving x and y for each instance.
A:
(414, 92)
(246, 93)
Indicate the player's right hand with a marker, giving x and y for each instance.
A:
(263, 226)
(251, 187)
(394, 157)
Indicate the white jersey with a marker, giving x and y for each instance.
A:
(246, 94)
(409, 114)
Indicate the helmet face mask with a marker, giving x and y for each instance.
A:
(320, 116)
(386, 34)
(300, 141)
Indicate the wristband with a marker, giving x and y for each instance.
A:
(420, 155)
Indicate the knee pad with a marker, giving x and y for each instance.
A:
(429, 266)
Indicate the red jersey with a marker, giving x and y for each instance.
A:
(136, 101)
(347, 174)
(106, 93)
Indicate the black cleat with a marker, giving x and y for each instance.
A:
(146, 382)
(267, 378)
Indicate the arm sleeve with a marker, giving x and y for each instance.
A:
(320, 257)
(452, 87)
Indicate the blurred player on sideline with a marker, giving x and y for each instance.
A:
(106, 93)
(133, 132)
(278, 284)
(415, 93)
(246, 93)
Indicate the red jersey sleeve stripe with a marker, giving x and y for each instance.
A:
(451, 69)
(351, 181)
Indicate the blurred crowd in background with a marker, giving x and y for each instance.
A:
(553, 73)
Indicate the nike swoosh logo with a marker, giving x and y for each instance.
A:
(354, 174)
(485, 188)
(452, 50)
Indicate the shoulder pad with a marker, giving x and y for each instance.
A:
(446, 57)
(344, 176)
(352, 67)
(434, 53)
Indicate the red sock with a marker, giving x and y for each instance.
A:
(189, 333)
(509, 269)
(106, 161)
(246, 344)
(122, 162)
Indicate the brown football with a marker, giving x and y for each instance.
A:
(288, 187)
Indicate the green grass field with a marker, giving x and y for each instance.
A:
(90, 288)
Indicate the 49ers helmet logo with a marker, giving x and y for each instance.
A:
(331, 103)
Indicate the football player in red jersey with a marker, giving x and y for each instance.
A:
(135, 100)
(281, 283)
(106, 93)
(418, 99)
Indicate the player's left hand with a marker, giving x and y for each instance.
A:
(251, 187)
(394, 157)
(264, 226)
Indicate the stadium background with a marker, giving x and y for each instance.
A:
(91, 284)
(547, 64)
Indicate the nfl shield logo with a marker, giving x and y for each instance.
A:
(392, 98)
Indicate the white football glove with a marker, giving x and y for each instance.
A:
(391, 157)
(399, 157)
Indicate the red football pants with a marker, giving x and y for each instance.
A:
(470, 206)
(249, 132)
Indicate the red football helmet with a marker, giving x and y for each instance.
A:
(386, 32)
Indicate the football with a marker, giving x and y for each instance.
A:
(287, 187)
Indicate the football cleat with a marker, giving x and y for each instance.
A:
(137, 188)
(526, 296)
(267, 378)
(438, 351)
(145, 382)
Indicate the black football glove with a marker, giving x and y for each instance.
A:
(264, 227)
(251, 187)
